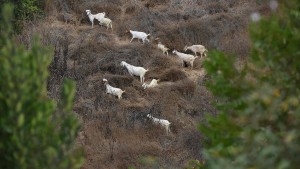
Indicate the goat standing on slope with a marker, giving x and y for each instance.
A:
(98, 16)
(136, 71)
(107, 22)
(185, 57)
(139, 35)
(197, 48)
(113, 90)
(164, 123)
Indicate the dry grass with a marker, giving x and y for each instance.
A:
(173, 74)
(116, 133)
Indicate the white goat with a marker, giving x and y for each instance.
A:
(185, 57)
(137, 71)
(98, 16)
(163, 48)
(107, 22)
(152, 84)
(164, 123)
(197, 48)
(113, 90)
(139, 35)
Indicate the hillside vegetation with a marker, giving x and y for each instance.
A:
(116, 133)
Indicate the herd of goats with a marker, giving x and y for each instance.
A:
(140, 71)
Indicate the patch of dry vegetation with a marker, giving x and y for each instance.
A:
(116, 133)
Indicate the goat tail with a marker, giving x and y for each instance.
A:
(148, 34)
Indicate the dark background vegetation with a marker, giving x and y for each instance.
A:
(116, 133)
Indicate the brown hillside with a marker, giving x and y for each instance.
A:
(116, 133)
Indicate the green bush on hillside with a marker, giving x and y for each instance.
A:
(258, 121)
(35, 131)
(24, 10)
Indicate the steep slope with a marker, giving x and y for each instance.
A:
(116, 133)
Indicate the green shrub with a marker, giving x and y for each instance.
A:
(258, 121)
(35, 131)
(24, 10)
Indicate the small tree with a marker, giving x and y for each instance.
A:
(258, 121)
(35, 132)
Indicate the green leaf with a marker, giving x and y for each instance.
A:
(21, 120)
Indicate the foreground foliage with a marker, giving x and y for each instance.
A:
(258, 121)
(35, 132)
